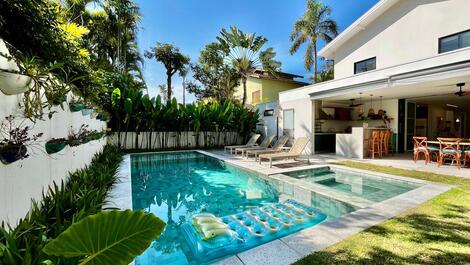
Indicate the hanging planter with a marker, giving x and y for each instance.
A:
(12, 153)
(75, 107)
(12, 83)
(86, 112)
(55, 145)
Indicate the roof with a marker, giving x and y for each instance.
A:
(280, 76)
(377, 10)
(265, 72)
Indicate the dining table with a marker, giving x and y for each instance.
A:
(463, 143)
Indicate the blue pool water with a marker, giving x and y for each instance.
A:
(369, 187)
(176, 186)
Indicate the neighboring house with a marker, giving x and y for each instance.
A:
(404, 57)
(264, 87)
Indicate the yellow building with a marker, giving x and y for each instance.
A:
(263, 87)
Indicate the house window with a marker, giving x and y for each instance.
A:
(288, 122)
(454, 42)
(364, 66)
(255, 97)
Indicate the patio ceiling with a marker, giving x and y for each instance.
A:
(437, 89)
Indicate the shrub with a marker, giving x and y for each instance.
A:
(63, 204)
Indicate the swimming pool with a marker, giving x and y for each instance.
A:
(369, 187)
(175, 186)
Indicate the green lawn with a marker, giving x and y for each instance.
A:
(436, 232)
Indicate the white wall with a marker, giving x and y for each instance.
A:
(269, 122)
(24, 180)
(406, 32)
(303, 119)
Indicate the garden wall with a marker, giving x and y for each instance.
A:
(26, 179)
(174, 140)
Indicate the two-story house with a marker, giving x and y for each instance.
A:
(410, 59)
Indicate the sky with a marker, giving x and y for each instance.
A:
(191, 24)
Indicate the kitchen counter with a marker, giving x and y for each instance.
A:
(354, 144)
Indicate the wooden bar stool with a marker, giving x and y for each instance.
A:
(375, 144)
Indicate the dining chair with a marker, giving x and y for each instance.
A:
(466, 154)
(420, 146)
(449, 147)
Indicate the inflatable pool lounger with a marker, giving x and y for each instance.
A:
(210, 237)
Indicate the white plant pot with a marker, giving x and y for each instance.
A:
(12, 84)
(365, 125)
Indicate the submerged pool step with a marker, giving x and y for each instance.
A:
(211, 238)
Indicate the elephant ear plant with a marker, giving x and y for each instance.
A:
(14, 140)
(110, 237)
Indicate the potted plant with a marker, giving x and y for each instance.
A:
(12, 79)
(14, 140)
(76, 105)
(78, 138)
(55, 145)
(13, 82)
(86, 111)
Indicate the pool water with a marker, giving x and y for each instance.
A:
(175, 186)
(369, 187)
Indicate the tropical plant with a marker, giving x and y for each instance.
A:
(14, 140)
(113, 237)
(171, 58)
(242, 52)
(77, 138)
(62, 204)
(313, 26)
(218, 80)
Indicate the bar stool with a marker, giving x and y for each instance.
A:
(375, 144)
(383, 143)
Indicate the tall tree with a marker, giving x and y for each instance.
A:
(171, 57)
(183, 73)
(243, 53)
(217, 80)
(313, 26)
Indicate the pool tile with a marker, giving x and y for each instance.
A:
(273, 253)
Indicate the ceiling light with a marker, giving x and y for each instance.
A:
(453, 106)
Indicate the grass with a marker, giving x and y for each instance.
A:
(436, 232)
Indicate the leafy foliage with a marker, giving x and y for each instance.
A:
(61, 205)
(218, 80)
(114, 237)
(242, 52)
(313, 26)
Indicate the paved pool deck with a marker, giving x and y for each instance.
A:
(293, 247)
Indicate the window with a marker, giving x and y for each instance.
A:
(288, 122)
(364, 66)
(454, 42)
(255, 97)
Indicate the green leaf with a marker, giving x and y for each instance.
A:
(111, 237)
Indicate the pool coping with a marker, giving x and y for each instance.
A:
(291, 248)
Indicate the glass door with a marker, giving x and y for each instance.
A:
(410, 124)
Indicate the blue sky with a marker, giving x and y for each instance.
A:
(191, 24)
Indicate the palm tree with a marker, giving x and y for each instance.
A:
(183, 73)
(313, 26)
(243, 53)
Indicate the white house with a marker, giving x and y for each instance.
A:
(404, 57)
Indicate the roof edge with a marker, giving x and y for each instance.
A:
(357, 26)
